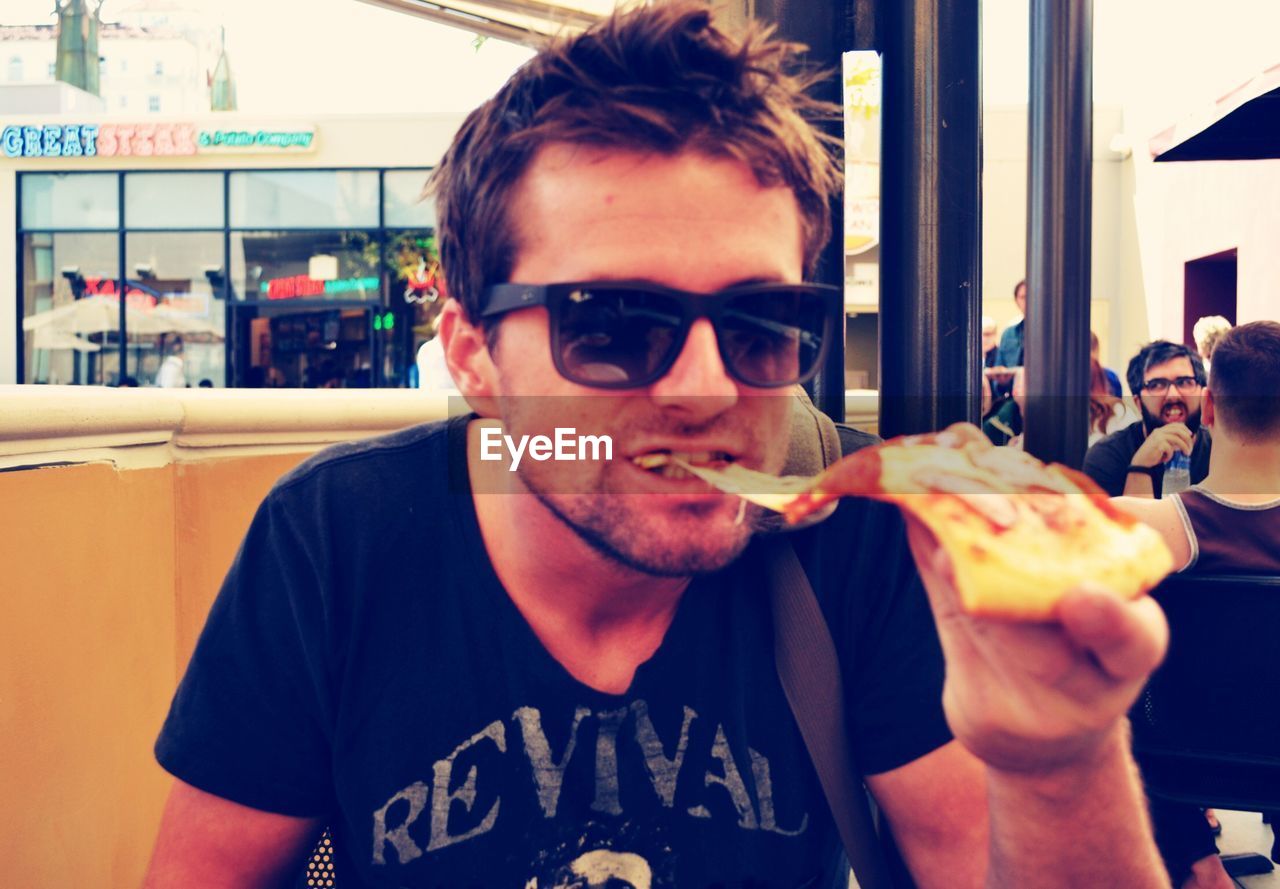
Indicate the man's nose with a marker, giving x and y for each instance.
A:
(697, 383)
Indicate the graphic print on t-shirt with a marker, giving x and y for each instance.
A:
(619, 842)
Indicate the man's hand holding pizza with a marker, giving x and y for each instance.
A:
(1043, 705)
(1037, 583)
(1039, 697)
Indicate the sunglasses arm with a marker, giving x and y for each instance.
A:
(505, 298)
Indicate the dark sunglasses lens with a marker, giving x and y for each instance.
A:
(615, 337)
(774, 338)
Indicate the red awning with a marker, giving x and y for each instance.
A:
(1242, 125)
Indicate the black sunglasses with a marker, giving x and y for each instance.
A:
(627, 334)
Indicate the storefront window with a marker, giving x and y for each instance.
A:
(70, 201)
(402, 201)
(337, 266)
(287, 346)
(266, 277)
(177, 310)
(304, 199)
(173, 200)
(70, 309)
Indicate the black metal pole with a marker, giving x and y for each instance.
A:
(828, 30)
(123, 291)
(931, 215)
(21, 291)
(1059, 225)
(231, 373)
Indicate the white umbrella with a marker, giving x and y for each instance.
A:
(100, 314)
(93, 314)
(53, 338)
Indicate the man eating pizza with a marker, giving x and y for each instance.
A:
(564, 675)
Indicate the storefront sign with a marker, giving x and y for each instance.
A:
(136, 295)
(214, 141)
(862, 97)
(149, 140)
(299, 286)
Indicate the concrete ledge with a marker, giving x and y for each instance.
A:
(47, 424)
(41, 425)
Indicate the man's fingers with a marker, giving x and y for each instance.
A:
(934, 566)
(1127, 638)
(1181, 436)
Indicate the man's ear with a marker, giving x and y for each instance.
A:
(467, 354)
(1206, 408)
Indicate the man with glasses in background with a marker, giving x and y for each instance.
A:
(1166, 379)
(563, 675)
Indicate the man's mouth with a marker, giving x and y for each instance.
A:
(1174, 413)
(663, 463)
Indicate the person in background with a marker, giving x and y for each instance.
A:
(1009, 354)
(1229, 523)
(1206, 332)
(990, 351)
(1113, 381)
(1108, 412)
(433, 370)
(172, 374)
(1004, 426)
(990, 342)
(1166, 379)
(1011, 341)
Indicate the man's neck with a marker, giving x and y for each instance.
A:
(1243, 473)
(598, 618)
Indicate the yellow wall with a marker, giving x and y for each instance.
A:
(106, 575)
(214, 503)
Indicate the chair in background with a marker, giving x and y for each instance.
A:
(1206, 730)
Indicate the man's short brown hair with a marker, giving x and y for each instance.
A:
(1245, 381)
(659, 79)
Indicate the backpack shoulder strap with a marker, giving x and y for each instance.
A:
(810, 675)
(807, 664)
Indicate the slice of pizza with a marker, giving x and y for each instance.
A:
(1020, 533)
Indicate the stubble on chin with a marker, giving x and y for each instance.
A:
(638, 531)
(673, 542)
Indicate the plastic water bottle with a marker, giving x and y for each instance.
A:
(1177, 474)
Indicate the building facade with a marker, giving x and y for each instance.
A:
(288, 252)
(142, 70)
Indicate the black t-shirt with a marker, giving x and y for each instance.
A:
(363, 664)
(1107, 461)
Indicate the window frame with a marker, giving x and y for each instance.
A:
(381, 231)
